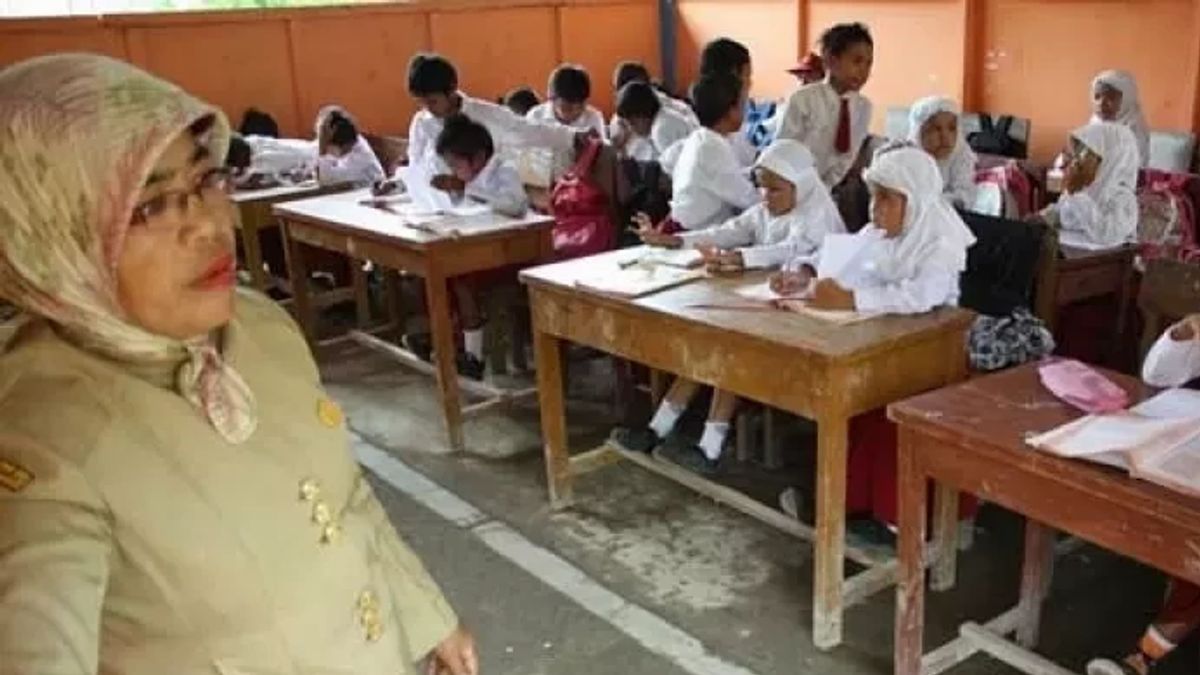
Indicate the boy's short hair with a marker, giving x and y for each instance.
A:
(724, 55)
(714, 95)
(570, 83)
(239, 155)
(521, 100)
(837, 39)
(630, 71)
(638, 100)
(258, 123)
(462, 136)
(343, 132)
(430, 74)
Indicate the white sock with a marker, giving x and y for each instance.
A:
(473, 342)
(712, 441)
(665, 418)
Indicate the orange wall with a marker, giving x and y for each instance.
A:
(768, 27)
(291, 62)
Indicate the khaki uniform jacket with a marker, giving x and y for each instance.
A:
(133, 539)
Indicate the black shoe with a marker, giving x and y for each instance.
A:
(871, 533)
(469, 366)
(419, 344)
(688, 456)
(634, 439)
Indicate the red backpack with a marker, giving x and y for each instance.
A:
(1166, 217)
(583, 223)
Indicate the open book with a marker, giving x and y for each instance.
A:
(638, 280)
(1157, 440)
(760, 296)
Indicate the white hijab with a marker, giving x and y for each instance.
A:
(1118, 158)
(933, 234)
(1130, 114)
(962, 159)
(793, 162)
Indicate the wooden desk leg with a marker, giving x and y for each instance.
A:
(830, 545)
(910, 589)
(252, 248)
(301, 300)
(945, 538)
(660, 382)
(1038, 565)
(1125, 295)
(445, 352)
(362, 296)
(547, 354)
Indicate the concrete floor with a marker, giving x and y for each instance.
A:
(646, 577)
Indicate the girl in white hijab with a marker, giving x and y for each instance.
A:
(1098, 208)
(792, 220)
(914, 248)
(934, 124)
(1115, 99)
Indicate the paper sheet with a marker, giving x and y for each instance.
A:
(761, 292)
(425, 198)
(842, 255)
(637, 281)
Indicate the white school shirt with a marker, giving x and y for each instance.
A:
(1095, 225)
(708, 185)
(681, 108)
(507, 128)
(280, 156)
(810, 115)
(499, 186)
(1171, 362)
(359, 167)
(590, 120)
(667, 129)
(765, 240)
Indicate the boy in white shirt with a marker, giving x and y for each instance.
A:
(634, 71)
(433, 81)
(708, 185)
(724, 55)
(568, 92)
(344, 156)
(831, 118)
(643, 128)
(260, 161)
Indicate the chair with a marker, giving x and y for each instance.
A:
(392, 151)
(1172, 151)
(1170, 291)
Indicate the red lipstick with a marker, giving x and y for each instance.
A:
(222, 273)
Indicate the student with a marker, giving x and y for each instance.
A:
(263, 160)
(831, 117)
(643, 128)
(916, 248)
(634, 71)
(1173, 361)
(708, 184)
(344, 156)
(1115, 99)
(1098, 208)
(255, 122)
(433, 81)
(521, 100)
(568, 91)
(933, 124)
(724, 55)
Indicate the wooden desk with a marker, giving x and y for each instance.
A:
(971, 437)
(1078, 274)
(810, 367)
(254, 208)
(341, 224)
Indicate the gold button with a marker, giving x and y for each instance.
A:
(321, 514)
(309, 489)
(367, 600)
(330, 533)
(329, 413)
(374, 631)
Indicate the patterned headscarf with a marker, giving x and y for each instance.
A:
(79, 135)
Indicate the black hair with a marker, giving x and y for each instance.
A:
(630, 71)
(342, 130)
(258, 123)
(430, 74)
(463, 137)
(714, 95)
(837, 39)
(637, 100)
(724, 55)
(521, 100)
(570, 83)
(239, 155)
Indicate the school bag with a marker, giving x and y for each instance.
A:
(757, 129)
(1019, 191)
(583, 218)
(1166, 217)
(993, 138)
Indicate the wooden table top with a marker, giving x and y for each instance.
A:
(345, 212)
(996, 413)
(276, 193)
(783, 328)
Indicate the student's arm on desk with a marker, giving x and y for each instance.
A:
(928, 290)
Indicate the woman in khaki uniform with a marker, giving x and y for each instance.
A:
(176, 490)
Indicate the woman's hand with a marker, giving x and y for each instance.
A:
(456, 655)
(791, 283)
(651, 235)
(447, 183)
(827, 294)
(1188, 329)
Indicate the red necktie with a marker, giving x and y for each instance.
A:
(842, 143)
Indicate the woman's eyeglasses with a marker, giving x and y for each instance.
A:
(169, 206)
